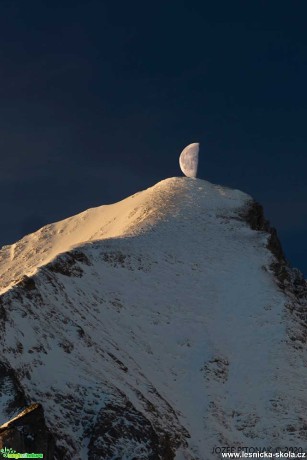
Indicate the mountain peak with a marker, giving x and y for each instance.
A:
(169, 198)
(157, 327)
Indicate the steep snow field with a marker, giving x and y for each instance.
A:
(164, 301)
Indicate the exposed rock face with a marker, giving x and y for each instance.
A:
(289, 279)
(121, 431)
(12, 396)
(27, 432)
(153, 329)
(254, 216)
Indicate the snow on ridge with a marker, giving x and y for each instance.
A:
(128, 217)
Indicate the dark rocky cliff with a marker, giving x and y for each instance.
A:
(27, 433)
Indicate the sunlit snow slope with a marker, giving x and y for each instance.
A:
(155, 328)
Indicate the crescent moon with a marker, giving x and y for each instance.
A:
(188, 160)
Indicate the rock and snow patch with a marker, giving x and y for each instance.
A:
(156, 327)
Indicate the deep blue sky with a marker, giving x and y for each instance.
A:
(98, 98)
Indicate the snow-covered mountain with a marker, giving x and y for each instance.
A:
(159, 327)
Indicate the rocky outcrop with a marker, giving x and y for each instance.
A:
(254, 216)
(12, 396)
(290, 280)
(122, 431)
(27, 432)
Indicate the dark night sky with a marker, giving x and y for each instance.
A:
(98, 98)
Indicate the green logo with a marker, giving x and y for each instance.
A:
(11, 453)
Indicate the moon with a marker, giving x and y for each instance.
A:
(188, 160)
